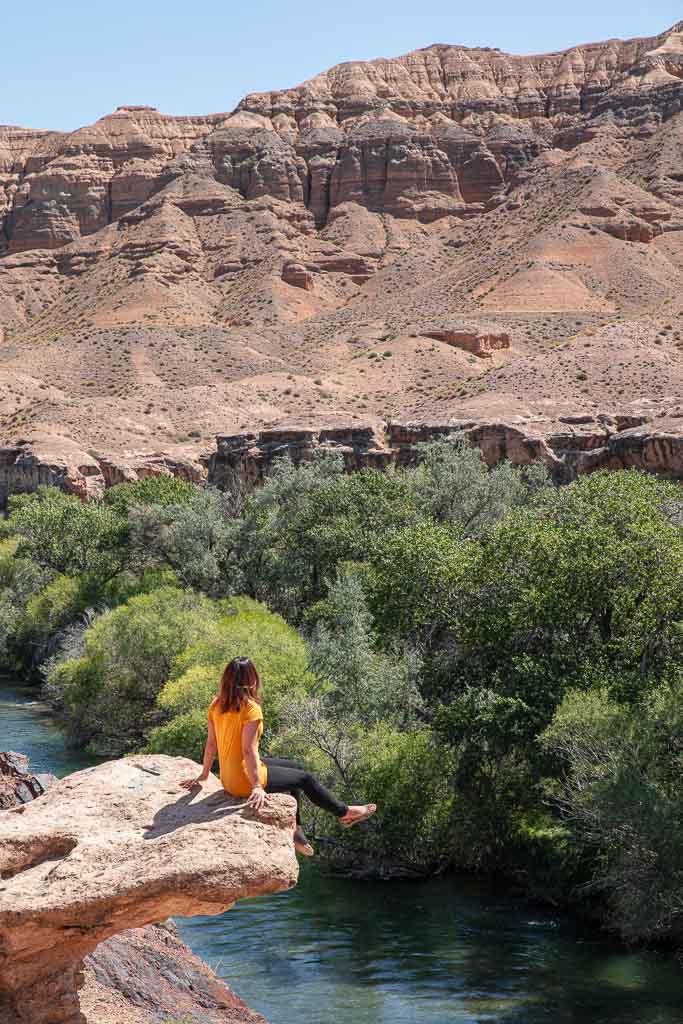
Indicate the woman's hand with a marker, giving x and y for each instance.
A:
(193, 783)
(257, 798)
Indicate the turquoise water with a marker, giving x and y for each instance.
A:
(445, 951)
(27, 726)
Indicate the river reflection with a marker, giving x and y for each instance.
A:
(446, 951)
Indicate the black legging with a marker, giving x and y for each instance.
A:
(289, 777)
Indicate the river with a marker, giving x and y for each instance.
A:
(446, 951)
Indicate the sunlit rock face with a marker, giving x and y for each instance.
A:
(121, 846)
(506, 230)
(423, 135)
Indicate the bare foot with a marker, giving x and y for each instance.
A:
(356, 814)
(301, 843)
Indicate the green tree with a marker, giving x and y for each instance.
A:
(67, 536)
(243, 627)
(414, 582)
(305, 521)
(408, 775)
(20, 580)
(359, 681)
(110, 692)
(452, 484)
(161, 490)
(193, 538)
(582, 591)
(620, 794)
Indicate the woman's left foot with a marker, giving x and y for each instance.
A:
(302, 845)
(356, 814)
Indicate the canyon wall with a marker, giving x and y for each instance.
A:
(584, 445)
(454, 237)
(569, 447)
(439, 131)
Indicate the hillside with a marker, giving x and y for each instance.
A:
(451, 235)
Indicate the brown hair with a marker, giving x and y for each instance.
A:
(239, 682)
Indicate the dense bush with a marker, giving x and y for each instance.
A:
(193, 538)
(20, 579)
(241, 627)
(453, 485)
(110, 692)
(583, 590)
(621, 796)
(408, 774)
(162, 490)
(303, 523)
(65, 535)
(494, 660)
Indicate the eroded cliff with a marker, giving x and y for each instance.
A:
(453, 235)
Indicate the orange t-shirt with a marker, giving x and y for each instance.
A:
(228, 726)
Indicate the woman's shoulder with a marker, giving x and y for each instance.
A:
(251, 710)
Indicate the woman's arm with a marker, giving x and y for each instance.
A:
(251, 762)
(210, 750)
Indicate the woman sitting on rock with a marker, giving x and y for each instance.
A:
(235, 728)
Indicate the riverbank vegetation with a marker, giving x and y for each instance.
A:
(494, 660)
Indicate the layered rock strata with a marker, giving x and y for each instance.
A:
(18, 785)
(121, 846)
(508, 230)
(581, 445)
(59, 462)
(439, 131)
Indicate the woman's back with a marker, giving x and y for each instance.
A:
(229, 726)
(234, 735)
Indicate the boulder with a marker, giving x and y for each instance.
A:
(145, 975)
(480, 343)
(121, 846)
(297, 275)
(17, 783)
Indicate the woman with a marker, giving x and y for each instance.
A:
(235, 728)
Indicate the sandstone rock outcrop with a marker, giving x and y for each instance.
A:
(438, 131)
(585, 444)
(59, 462)
(479, 341)
(144, 975)
(18, 785)
(120, 846)
(60, 186)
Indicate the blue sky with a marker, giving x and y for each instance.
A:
(67, 62)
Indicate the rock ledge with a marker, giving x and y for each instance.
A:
(120, 846)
